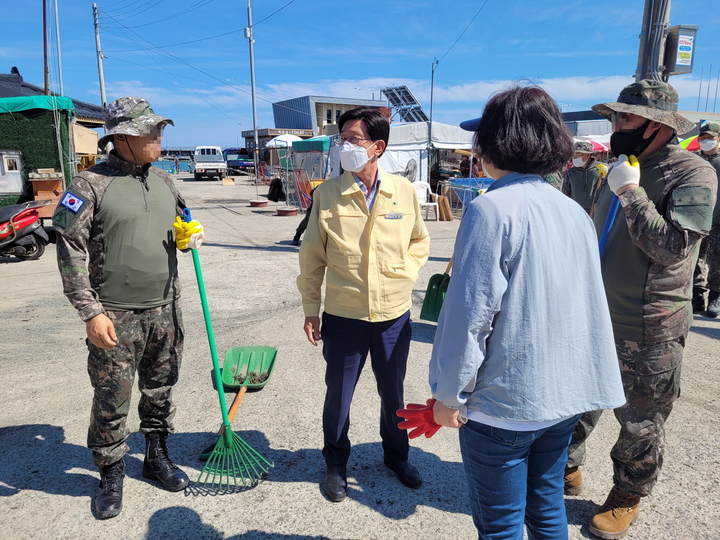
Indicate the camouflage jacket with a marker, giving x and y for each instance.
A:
(580, 184)
(653, 245)
(714, 160)
(115, 240)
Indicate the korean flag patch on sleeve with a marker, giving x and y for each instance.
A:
(72, 202)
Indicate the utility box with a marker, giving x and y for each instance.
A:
(11, 173)
(680, 49)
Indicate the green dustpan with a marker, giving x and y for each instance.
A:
(435, 294)
(248, 366)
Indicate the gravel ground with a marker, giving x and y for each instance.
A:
(47, 479)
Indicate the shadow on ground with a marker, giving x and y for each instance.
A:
(179, 523)
(40, 460)
(705, 331)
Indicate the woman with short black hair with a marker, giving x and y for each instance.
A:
(524, 343)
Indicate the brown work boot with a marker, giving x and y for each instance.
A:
(573, 481)
(615, 516)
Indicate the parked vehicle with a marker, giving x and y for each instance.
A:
(237, 160)
(209, 162)
(21, 231)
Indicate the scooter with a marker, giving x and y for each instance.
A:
(21, 231)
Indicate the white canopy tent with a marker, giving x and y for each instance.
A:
(410, 142)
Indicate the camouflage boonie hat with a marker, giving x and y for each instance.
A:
(711, 128)
(131, 116)
(583, 147)
(654, 100)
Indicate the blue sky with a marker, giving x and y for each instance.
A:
(582, 52)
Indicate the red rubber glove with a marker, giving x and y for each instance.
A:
(419, 418)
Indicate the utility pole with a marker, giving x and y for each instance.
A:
(57, 40)
(256, 150)
(651, 53)
(432, 90)
(99, 56)
(45, 49)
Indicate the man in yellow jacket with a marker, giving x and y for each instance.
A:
(367, 237)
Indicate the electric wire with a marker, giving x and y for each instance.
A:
(196, 40)
(223, 82)
(273, 13)
(157, 2)
(125, 10)
(463, 32)
(176, 15)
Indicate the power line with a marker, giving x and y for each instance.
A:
(158, 2)
(194, 40)
(463, 32)
(124, 10)
(176, 44)
(223, 82)
(203, 3)
(273, 13)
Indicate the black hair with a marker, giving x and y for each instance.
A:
(376, 123)
(522, 130)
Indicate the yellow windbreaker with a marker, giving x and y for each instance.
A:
(372, 259)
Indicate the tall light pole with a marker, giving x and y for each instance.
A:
(98, 50)
(59, 55)
(251, 41)
(432, 90)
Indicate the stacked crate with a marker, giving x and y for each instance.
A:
(47, 185)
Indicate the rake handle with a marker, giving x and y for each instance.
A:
(208, 327)
(234, 407)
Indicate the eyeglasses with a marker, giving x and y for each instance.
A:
(351, 140)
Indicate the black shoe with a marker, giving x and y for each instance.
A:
(157, 465)
(713, 308)
(108, 501)
(295, 242)
(698, 301)
(335, 483)
(406, 472)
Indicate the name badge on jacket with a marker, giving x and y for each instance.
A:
(394, 215)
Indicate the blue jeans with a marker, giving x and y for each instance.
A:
(516, 477)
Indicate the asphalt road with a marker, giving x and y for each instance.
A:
(47, 479)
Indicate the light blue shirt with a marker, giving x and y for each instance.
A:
(369, 194)
(524, 333)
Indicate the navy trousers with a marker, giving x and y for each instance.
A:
(346, 344)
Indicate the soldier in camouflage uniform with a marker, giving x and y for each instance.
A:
(117, 256)
(582, 179)
(707, 271)
(666, 205)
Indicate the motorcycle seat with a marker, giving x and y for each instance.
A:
(6, 212)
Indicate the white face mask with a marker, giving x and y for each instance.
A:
(485, 171)
(353, 158)
(708, 145)
(578, 162)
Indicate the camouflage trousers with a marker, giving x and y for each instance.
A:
(651, 380)
(707, 269)
(149, 343)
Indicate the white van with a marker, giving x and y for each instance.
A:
(209, 161)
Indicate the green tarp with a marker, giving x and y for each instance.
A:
(316, 144)
(25, 103)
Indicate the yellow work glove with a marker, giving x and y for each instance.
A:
(188, 235)
(625, 172)
(602, 169)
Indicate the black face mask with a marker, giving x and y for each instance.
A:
(631, 143)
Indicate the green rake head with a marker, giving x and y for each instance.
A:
(233, 466)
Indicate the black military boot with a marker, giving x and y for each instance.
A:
(108, 501)
(157, 465)
(698, 301)
(713, 308)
